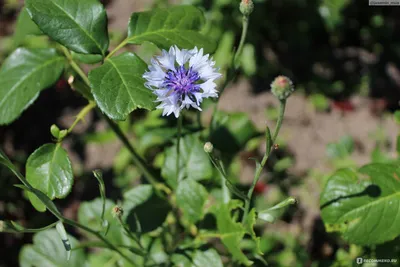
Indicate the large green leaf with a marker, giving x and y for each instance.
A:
(48, 251)
(193, 161)
(137, 204)
(191, 197)
(24, 27)
(178, 25)
(49, 170)
(23, 75)
(208, 258)
(230, 231)
(118, 86)
(364, 209)
(79, 25)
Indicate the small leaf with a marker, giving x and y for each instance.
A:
(249, 225)
(178, 25)
(270, 215)
(231, 232)
(193, 162)
(363, 209)
(48, 250)
(209, 258)
(79, 25)
(191, 197)
(24, 27)
(23, 75)
(49, 170)
(118, 86)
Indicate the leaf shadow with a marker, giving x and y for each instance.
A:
(371, 191)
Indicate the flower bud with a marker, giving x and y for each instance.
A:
(246, 7)
(117, 212)
(282, 87)
(55, 131)
(208, 147)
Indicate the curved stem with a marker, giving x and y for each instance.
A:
(82, 114)
(122, 44)
(245, 26)
(264, 160)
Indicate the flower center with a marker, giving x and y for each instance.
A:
(182, 81)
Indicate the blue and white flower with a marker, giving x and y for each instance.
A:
(181, 79)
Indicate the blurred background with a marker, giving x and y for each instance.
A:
(343, 57)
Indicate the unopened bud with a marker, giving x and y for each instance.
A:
(282, 87)
(55, 131)
(117, 211)
(208, 147)
(246, 7)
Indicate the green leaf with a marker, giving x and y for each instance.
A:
(364, 209)
(24, 27)
(89, 214)
(193, 162)
(230, 231)
(191, 197)
(87, 58)
(48, 250)
(233, 131)
(118, 86)
(249, 225)
(341, 149)
(23, 75)
(79, 25)
(209, 258)
(178, 25)
(137, 204)
(49, 170)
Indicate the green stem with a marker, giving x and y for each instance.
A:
(122, 44)
(179, 128)
(264, 160)
(99, 236)
(245, 26)
(29, 230)
(233, 67)
(82, 114)
(138, 161)
(75, 66)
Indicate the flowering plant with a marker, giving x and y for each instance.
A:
(186, 205)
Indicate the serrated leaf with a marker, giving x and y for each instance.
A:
(177, 25)
(24, 27)
(193, 162)
(49, 170)
(363, 209)
(191, 197)
(23, 75)
(79, 25)
(230, 231)
(118, 86)
(48, 250)
(249, 225)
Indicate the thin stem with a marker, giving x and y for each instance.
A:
(82, 114)
(138, 161)
(245, 26)
(99, 236)
(30, 230)
(233, 67)
(122, 44)
(263, 161)
(75, 66)
(179, 127)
